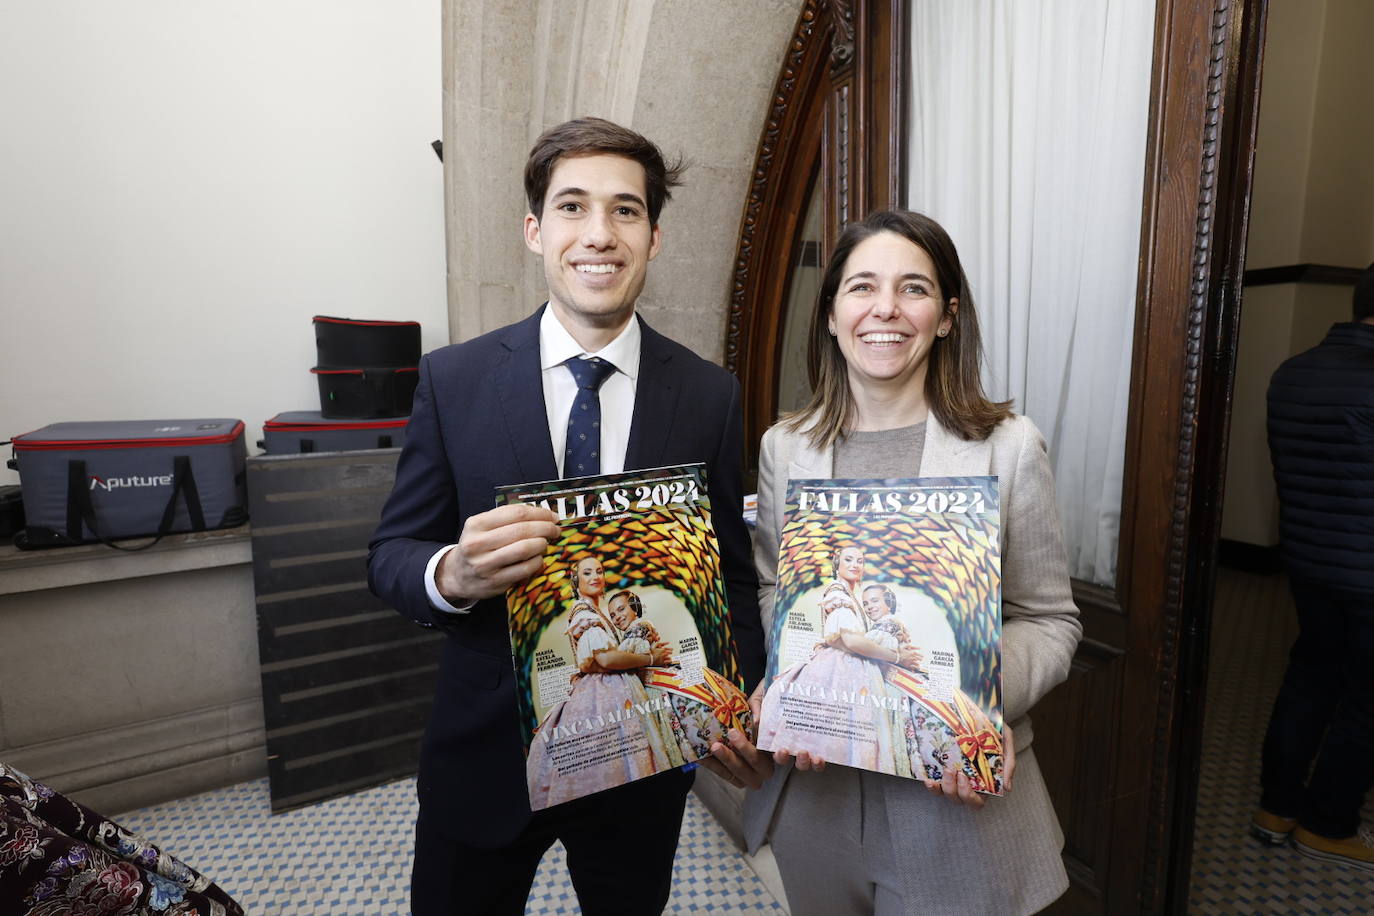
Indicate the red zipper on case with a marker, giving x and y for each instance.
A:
(366, 324)
(52, 445)
(325, 427)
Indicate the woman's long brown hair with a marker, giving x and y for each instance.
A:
(954, 385)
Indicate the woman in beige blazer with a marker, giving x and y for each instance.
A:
(894, 363)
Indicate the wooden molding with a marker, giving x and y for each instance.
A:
(1199, 170)
(1326, 274)
(789, 147)
(1164, 630)
(836, 118)
(842, 36)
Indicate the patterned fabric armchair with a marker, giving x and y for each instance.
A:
(59, 857)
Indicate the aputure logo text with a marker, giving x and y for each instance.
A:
(124, 483)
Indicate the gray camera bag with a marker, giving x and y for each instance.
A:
(100, 481)
(297, 431)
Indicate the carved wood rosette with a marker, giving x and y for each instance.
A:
(843, 122)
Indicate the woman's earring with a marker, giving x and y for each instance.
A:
(943, 331)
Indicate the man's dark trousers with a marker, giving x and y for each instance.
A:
(1324, 710)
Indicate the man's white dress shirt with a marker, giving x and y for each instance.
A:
(556, 346)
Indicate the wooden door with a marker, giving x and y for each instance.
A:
(1119, 741)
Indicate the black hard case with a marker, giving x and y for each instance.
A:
(353, 343)
(366, 394)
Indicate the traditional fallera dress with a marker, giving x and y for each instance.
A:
(866, 736)
(939, 735)
(640, 638)
(705, 705)
(604, 734)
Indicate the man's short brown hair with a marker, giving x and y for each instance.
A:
(597, 136)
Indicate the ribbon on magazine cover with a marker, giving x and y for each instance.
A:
(978, 738)
(724, 699)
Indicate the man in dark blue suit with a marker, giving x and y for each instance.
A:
(493, 411)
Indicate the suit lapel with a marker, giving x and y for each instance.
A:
(811, 463)
(946, 455)
(655, 402)
(807, 464)
(521, 390)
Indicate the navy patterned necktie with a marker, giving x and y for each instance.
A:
(582, 453)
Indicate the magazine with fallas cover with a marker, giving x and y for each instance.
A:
(886, 644)
(624, 662)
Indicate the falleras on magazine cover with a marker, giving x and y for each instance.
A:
(886, 642)
(623, 657)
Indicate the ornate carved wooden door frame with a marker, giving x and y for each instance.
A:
(1120, 742)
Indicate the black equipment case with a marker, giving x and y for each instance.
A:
(347, 342)
(366, 369)
(129, 478)
(297, 431)
(366, 394)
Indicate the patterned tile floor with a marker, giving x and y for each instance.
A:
(276, 866)
(1254, 625)
(351, 856)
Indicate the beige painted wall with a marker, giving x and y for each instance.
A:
(695, 77)
(1313, 202)
(1283, 150)
(1337, 220)
(1250, 513)
(1316, 309)
(183, 185)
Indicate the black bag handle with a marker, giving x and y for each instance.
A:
(183, 482)
(80, 508)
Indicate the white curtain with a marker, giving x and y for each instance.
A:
(1028, 128)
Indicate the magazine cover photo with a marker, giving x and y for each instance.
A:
(886, 645)
(623, 657)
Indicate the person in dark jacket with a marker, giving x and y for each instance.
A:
(1321, 439)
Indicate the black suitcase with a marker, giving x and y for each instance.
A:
(365, 394)
(350, 343)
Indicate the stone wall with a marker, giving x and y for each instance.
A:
(695, 76)
(132, 678)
